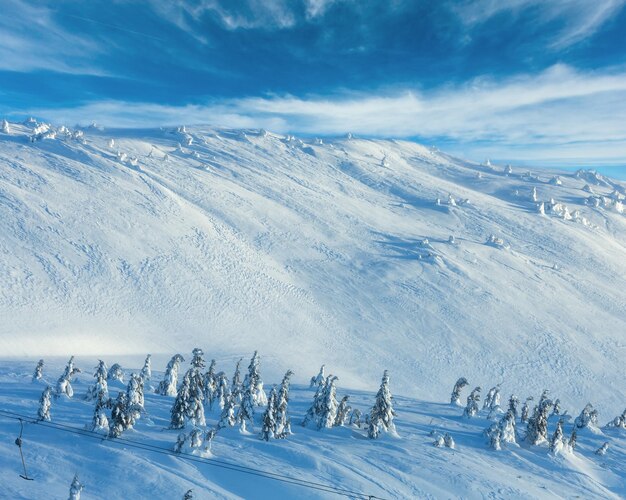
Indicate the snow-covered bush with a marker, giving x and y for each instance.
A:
(64, 385)
(116, 373)
(588, 417)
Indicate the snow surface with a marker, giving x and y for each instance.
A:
(408, 466)
(312, 252)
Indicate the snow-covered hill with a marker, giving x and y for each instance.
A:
(124, 242)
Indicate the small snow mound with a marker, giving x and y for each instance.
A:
(494, 241)
(556, 181)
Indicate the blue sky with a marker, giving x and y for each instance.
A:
(532, 81)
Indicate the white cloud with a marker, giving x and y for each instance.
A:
(580, 18)
(560, 111)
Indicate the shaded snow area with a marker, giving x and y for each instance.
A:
(142, 462)
(364, 255)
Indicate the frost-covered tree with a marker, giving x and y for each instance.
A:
(513, 405)
(471, 409)
(537, 427)
(252, 382)
(603, 449)
(557, 410)
(448, 441)
(283, 422)
(228, 418)
(100, 389)
(587, 418)
(557, 440)
(315, 410)
(492, 398)
(116, 373)
(236, 387)
(269, 417)
(135, 396)
(188, 404)
(122, 415)
(245, 411)
(44, 404)
(222, 390)
(355, 418)
(188, 495)
(146, 371)
(100, 420)
(455, 397)
(38, 371)
(382, 413)
(328, 413)
(494, 436)
(618, 422)
(6, 129)
(534, 194)
(343, 412)
(210, 384)
(572, 439)
(181, 439)
(507, 426)
(526, 410)
(168, 386)
(319, 379)
(64, 385)
(75, 489)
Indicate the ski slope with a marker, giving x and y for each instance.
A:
(341, 458)
(122, 242)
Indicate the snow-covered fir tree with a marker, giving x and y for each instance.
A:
(315, 410)
(537, 427)
(253, 382)
(44, 404)
(245, 411)
(588, 417)
(116, 373)
(572, 439)
(618, 422)
(100, 420)
(603, 449)
(343, 412)
(513, 405)
(168, 386)
(228, 417)
(269, 417)
(319, 379)
(494, 436)
(492, 399)
(236, 387)
(557, 441)
(64, 385)
(382, 413)
(6, 129)
(455, 397)
(556, 409)
(181, 408)
(283, 422)
(121, 416)
(146, 371)
(355, 418)
(75, 489)
(135, 397)
(100, 389)
(38, 371)
(471, 409)
(222, 390)
(195, 406)
(508, 428)
(526, 410)
(210, 384)
(329, 405)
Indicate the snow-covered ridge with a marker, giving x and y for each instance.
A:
(365, 254)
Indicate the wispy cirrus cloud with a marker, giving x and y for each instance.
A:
(577, 19)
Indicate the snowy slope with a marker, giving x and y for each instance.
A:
(312, 252)
(407, 466)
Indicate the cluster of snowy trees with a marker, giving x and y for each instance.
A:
(514, 424)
